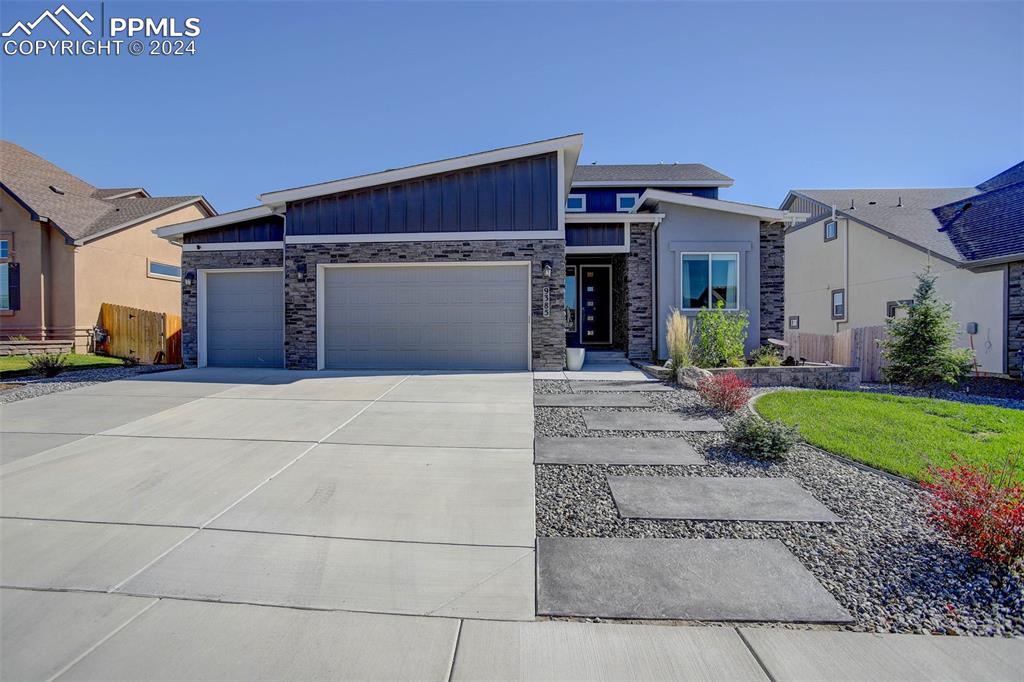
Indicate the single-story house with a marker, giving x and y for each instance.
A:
(494, 260)
(66, 247)
(852, 263)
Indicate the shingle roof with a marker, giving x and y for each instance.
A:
(649, 172)
(1010, 176)
(75, 206)
(108, 192)
(913, 222)
(987, 225)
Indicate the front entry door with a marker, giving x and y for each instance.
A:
(595, 304)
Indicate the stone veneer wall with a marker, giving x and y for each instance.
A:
(208, 260)
(1015, 318)
(548, 332)
(620, 302)
(803, 376)
(773, 281)
(640, 292)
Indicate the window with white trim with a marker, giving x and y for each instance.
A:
(5, 249)
(625, 202)
(164, 270)
(838, 304)
(831, 230)
(576, 203)
(708, 279)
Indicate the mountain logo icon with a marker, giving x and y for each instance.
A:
(53, 17)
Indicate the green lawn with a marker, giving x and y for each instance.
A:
(897, 434)
(17, 365)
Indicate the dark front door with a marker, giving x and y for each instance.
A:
(595, 304)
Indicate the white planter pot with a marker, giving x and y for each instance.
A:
(574, 358)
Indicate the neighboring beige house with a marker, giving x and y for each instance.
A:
(66, 247)
(853, 263)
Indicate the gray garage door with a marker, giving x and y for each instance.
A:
(244, 319)
(427, 317)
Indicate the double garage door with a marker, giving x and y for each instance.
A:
(382, 317)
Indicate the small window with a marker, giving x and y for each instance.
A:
(838, 304)
(892, 307)
(576, 203)
(625, 202)
(709, 278)
(794, 321)
(831, 230)
(5, 248)
(164, 270)
(571, 311)
(5, 287)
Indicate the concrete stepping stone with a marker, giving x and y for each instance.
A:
(716, 499)
(615, 451)
(617, 386)
(590, 400)
(692, 579)
(647, 421)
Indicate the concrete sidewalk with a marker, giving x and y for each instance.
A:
(116, 637)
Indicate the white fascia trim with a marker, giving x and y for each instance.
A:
(655, 196)
(176, 231)
(647, 183)
(422, 237)
(233, 246)
(615, 218)
(571, 145)
(150, 216)
(127, 193)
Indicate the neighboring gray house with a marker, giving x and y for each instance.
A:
(496, 260)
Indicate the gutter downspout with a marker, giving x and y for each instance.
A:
(654, 292)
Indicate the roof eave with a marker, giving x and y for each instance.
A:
(177, 231)
(995, 260)
(571, 145)
(653, 197)
(149, 216)
(649, 183)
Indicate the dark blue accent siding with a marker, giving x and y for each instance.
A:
(268, 229)
(518, 195)
(594, 234)
(602, 199)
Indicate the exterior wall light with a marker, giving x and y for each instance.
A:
(190, 277)
(545, 267)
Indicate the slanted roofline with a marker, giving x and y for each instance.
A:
(176, 232)
(569, 146)
(648, 183)
(653, 197)
(149, 216)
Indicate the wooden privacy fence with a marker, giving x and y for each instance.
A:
(856, 347)
(147, 335)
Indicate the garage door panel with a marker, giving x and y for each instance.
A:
(450, 317)
(245, 319)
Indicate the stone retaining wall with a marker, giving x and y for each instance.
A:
(9, 348)
(803, 376)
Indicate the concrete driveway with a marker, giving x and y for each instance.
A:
(364, 492)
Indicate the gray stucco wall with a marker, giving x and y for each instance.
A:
(689, 229)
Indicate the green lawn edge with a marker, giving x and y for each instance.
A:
(897, 434)
(15, 366)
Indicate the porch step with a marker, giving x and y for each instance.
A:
(605, 357)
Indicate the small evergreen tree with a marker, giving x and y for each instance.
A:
(920, 349)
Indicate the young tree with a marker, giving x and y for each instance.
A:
(919, 348)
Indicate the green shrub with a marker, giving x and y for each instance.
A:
(766, 356)
(48, 365)
(762, 439)
(919, 349)
(720, 336)
(680, 351)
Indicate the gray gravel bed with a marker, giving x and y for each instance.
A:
(1008, 400)
(886, 565)
(32, 387)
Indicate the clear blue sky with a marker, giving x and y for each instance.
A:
(777, 95)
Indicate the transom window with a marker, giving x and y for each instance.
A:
(576, 203)
(164, 270)
(709, 279)
(838, 304)
(626, 202)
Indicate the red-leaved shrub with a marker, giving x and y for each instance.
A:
(981, 509)
(725, 391)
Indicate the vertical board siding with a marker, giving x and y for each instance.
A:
(144, 334)
(855, 347)
(269, 229)
(518, 195)
(594, 234)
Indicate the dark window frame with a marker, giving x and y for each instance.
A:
(794, 321)
(825, 230)
(842, 306)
